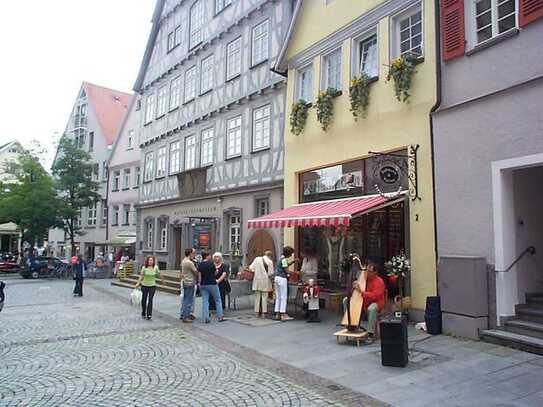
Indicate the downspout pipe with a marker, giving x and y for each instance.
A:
(432, 111)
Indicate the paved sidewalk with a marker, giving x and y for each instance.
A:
(442, 369)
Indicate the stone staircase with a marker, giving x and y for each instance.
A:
(525, 330)
(168, 282)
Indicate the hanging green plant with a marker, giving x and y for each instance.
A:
(401, 72)
(298, 117)
(325, 107)
(359, 93)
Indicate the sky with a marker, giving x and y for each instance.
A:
(49, 47)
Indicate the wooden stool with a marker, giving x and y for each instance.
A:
(357, 336)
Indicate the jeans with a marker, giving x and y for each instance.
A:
(371, 312)
(222, 291)
(78, 288)
(281, 293)
(147, 300)
(261, 296)
(188, 301)
(206, 291)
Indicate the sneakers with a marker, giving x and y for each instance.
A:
(187, 320)
(286, 317)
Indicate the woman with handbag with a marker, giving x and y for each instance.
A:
(281, 284)
(262, 267)
(148, 276)
(221, 275)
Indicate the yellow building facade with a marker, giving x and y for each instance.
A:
(331, 42)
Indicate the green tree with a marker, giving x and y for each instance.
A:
(73, 175)
(31, 202)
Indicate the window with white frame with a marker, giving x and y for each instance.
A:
(177, 33)
(190, 152)
(196, 33)
(137, 178)
(235, 233)
(369, 57)
(161, 162)
(116, 181)
(206, 147)
(175, 157)
(149, 108)
(233, 59)
(491, 18)
(91, 215)
(260, 43)
(261, 128)
(105, 171)
(91, 140)
(262, 206)
(161, 101)
(149, 164)
(126, 178)
(171, 41)
(220, 5)
(130, 139)
(104, 212)
(332, 70)
(409, 33)
(206, 81)
(305, 84)
(126, 214)
(150, 234)
(163, 234)
(115, 218)
(95, 172)
(79, 218)
(233, 137)
(190, 84)
(175, 93)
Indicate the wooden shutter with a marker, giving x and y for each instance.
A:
(452, 28)
(530, 10)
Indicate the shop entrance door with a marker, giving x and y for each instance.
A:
(260, 241)
(178, 247)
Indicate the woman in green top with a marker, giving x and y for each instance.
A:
(148, 275)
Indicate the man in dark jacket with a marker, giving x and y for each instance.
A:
(78, 268)
(2, 295)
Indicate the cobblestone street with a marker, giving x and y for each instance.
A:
(57, 350)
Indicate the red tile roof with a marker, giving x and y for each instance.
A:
(110, 107)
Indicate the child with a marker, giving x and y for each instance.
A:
(2, 295)
(311, 298)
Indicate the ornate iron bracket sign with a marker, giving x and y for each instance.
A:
(389, 174)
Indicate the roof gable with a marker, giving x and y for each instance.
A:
(110, 106)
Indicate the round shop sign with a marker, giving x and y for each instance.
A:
(389, 174)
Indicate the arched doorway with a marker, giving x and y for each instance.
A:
(260, 241)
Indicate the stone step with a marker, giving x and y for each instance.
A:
(527, 313)
(513, 340)
(535, 301)
(527, 328)
(131, 284)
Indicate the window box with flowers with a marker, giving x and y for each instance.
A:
(401, 73)
(325, 107)
(298, 116)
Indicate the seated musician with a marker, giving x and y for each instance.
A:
(373, 295)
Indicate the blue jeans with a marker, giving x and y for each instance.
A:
(188, 301)
(206, 291)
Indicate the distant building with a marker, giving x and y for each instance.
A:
(94, 122)
(124, 181)
(212, 128)
(9, 153)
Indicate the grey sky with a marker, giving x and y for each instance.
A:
(49, 47)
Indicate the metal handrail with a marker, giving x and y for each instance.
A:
(529, 250)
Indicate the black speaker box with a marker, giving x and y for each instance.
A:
(394, 346)
(432, 315)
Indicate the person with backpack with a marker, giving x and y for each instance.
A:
(262, 267)
(147, 281)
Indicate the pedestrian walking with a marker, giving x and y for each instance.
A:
(221, 275)
(78, 271)
(2, 295)
(189, 279)
(281, 284)
(262, 267)
(209, 287)
(147, 281)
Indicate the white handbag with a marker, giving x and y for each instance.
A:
(135, 297)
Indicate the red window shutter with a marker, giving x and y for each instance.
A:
(452, 28)
(530, 10)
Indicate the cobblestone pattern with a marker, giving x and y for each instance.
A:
(95, 351)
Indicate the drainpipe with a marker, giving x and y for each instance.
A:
(432, 111)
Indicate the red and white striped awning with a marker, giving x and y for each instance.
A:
(324, 213)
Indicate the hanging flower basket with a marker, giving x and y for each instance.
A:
(298, 117)
(401, 72)
(359, 94)
(325, 107)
